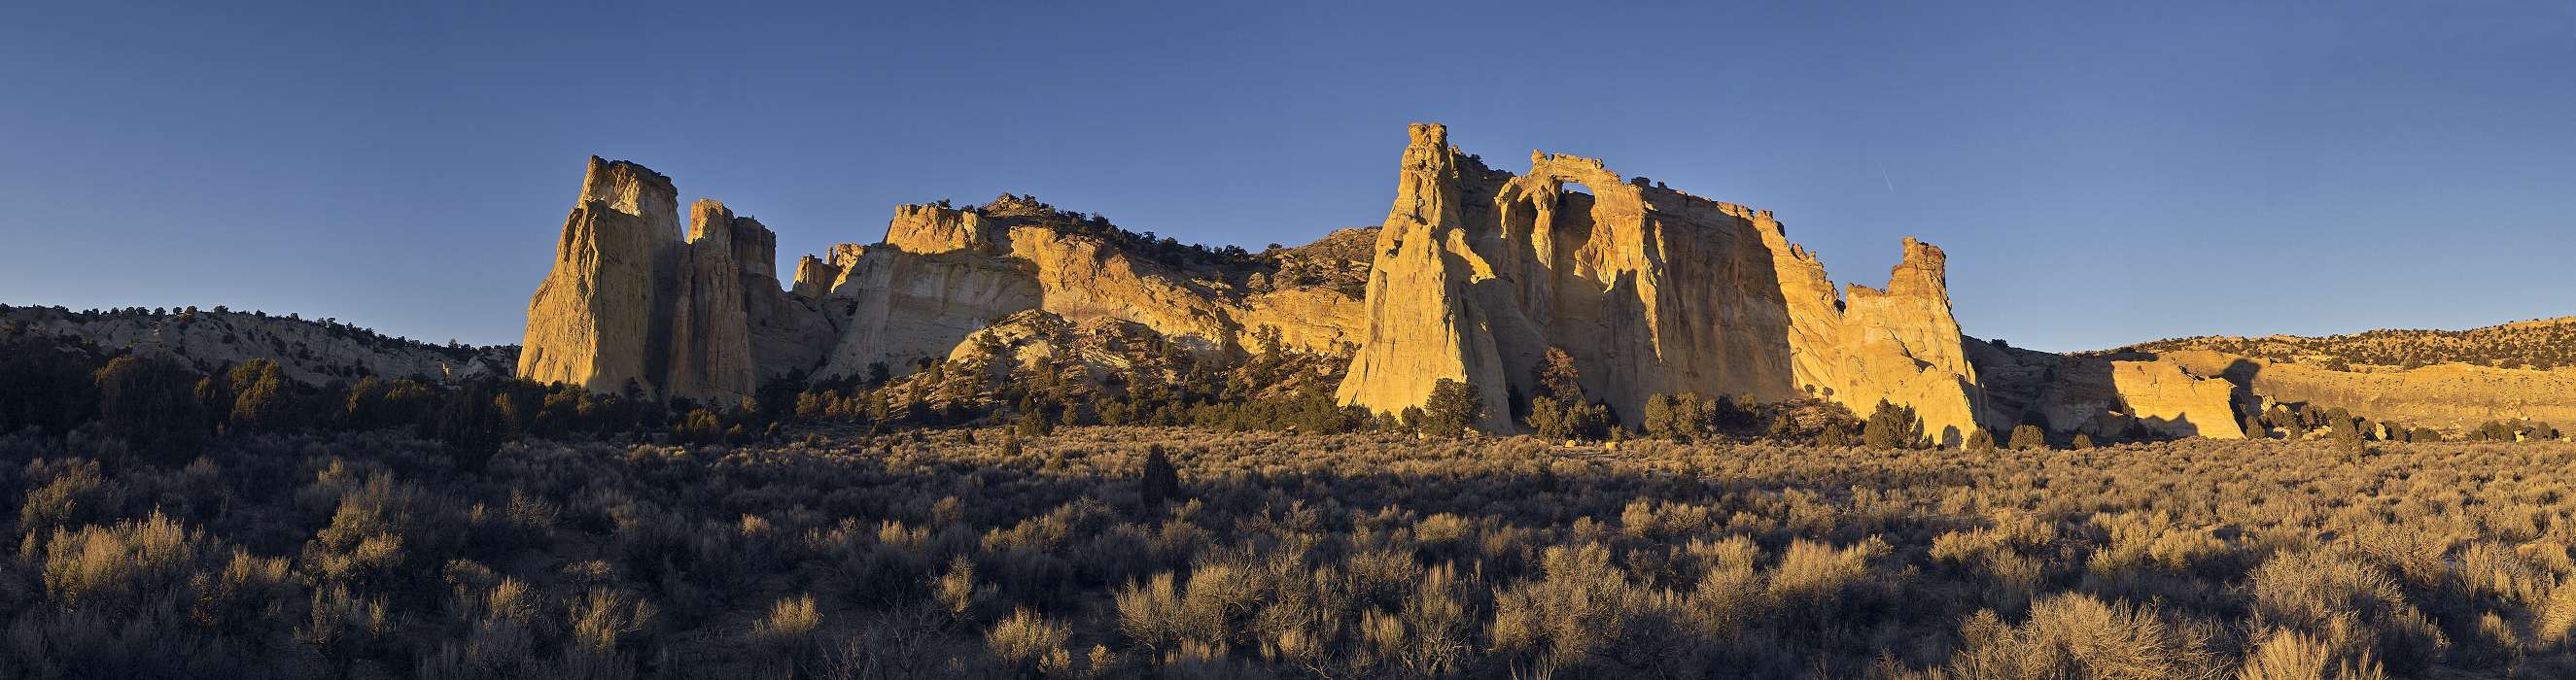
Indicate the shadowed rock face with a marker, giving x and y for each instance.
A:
(2104, 397)
(710, 332)
(943, 273)
(1478, 272)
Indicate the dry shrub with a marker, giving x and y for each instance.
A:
(1026, 641)
(1149, 613)
(2292, 655)
(2557, 615)
(2348, 604)
(73, 492)
(789, 620)
(2071, 635)
(1586, 613)
(119, 565)
(1729, 595)
(1815, 575)
(603, 619)
(959, 594)
(914, 555)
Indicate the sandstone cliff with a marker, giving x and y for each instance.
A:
(1474, 276)
(601, 316)
(708, 323)
(1478, 272)
(942, 273)
(1900, 345)
(2449, 396)
(629, 302)
(2102, 397)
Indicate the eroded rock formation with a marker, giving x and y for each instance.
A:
(631, 303)
(601, 317)
(2452, 396)
(1478, 272)
(1475, 274)
(2103, 397)
(942, 273)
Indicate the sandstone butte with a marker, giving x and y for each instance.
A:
(1475, 274)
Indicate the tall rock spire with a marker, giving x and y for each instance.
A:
(601, 316)
(630, 303)
(1420, 328)
(710, 333)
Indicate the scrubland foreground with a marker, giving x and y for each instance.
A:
(1083, 554)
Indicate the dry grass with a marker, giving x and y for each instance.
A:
(1290, 556)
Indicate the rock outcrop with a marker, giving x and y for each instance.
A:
(2451, 396)
(601, 319)
(942, 273)
(1478, 272)
(630, 303)
(1899, 345)
(2102, 397)
(710, 333)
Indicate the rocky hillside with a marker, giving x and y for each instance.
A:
(311, 351)
(1339, 261)
(2449, 380)
(2543, 344)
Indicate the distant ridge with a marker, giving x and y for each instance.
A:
(2536, 344)
(312, 351)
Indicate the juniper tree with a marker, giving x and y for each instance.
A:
(1452, 408)
(1160, 481)
(1892, 427)
(2027, 436)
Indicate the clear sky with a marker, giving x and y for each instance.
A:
(2098, 175)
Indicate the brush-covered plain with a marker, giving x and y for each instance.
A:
(1122, 551)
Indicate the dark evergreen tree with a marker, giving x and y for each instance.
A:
(1558, 378)
(151, 402)
(1160, 481)
(1892, 427)
(263, 398)
(1451, 410)
(2027, 436)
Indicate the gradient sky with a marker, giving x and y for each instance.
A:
(2098, 175)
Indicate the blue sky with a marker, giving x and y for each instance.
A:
(2099, 175)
